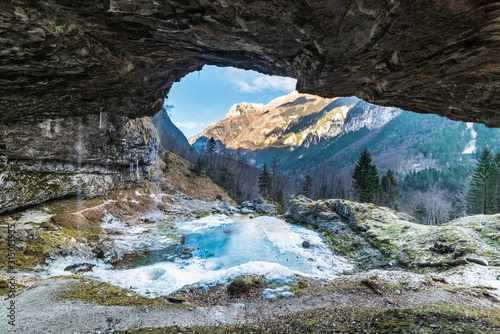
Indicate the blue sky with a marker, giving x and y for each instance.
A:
(206, 96)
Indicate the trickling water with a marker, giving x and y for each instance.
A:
(137, 169)
(100, 118)
(215, 248)
(79, 187)
(80, 149)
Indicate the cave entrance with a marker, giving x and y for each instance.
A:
(206, 96)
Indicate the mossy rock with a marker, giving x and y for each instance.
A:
(387, 236)
(4, 284)
(242, 285)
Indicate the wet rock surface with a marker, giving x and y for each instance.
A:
(75, 156)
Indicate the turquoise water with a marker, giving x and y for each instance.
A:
(214, 249)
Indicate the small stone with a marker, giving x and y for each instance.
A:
(80, 268)
(20, 245)
(49, 226)
(176, 300)
(397, 292)
(21, 235)
(39, 239)
(389, 301)
(64, 252)
(99, 252)
(306, 244)
(31, 233)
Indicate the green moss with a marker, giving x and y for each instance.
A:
(300, 287)
(424, 319)
(100, 293)
(202, 215)
(397, 240)
(243, 284)
(5, 287)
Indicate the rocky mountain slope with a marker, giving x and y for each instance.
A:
(294, 120)
(171, 138)
(303, 131)
(239, 117)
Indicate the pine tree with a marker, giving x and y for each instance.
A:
(211, 145)
(366, 181)
(265, 182)
(306, 185)
(482, 191)
(496, 168)
(389, 189)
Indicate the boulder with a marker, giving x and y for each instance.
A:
(80, 268)
(247, 204)
(242, 285)
(263, 206)
(246, 210)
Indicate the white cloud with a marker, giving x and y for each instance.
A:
(189, 125)
(252, 82)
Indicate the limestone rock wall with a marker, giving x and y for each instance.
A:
(82, 156)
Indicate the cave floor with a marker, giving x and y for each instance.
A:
(40, 309)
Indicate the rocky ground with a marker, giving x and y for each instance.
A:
(400, 294)
(42, 310)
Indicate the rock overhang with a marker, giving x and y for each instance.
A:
(65, 58)
(74, 73)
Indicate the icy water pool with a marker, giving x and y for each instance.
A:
(208, 251)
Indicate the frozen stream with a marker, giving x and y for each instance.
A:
(214, 249)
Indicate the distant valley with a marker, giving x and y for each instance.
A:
(303, 130)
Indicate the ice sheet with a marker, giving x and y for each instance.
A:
(221, 248)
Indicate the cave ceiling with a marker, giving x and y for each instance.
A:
(62, 58)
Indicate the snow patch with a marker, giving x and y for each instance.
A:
(470, 148)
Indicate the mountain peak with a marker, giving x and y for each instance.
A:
(289, 98)
(244, 108)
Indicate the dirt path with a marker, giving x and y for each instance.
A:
(38, 310)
